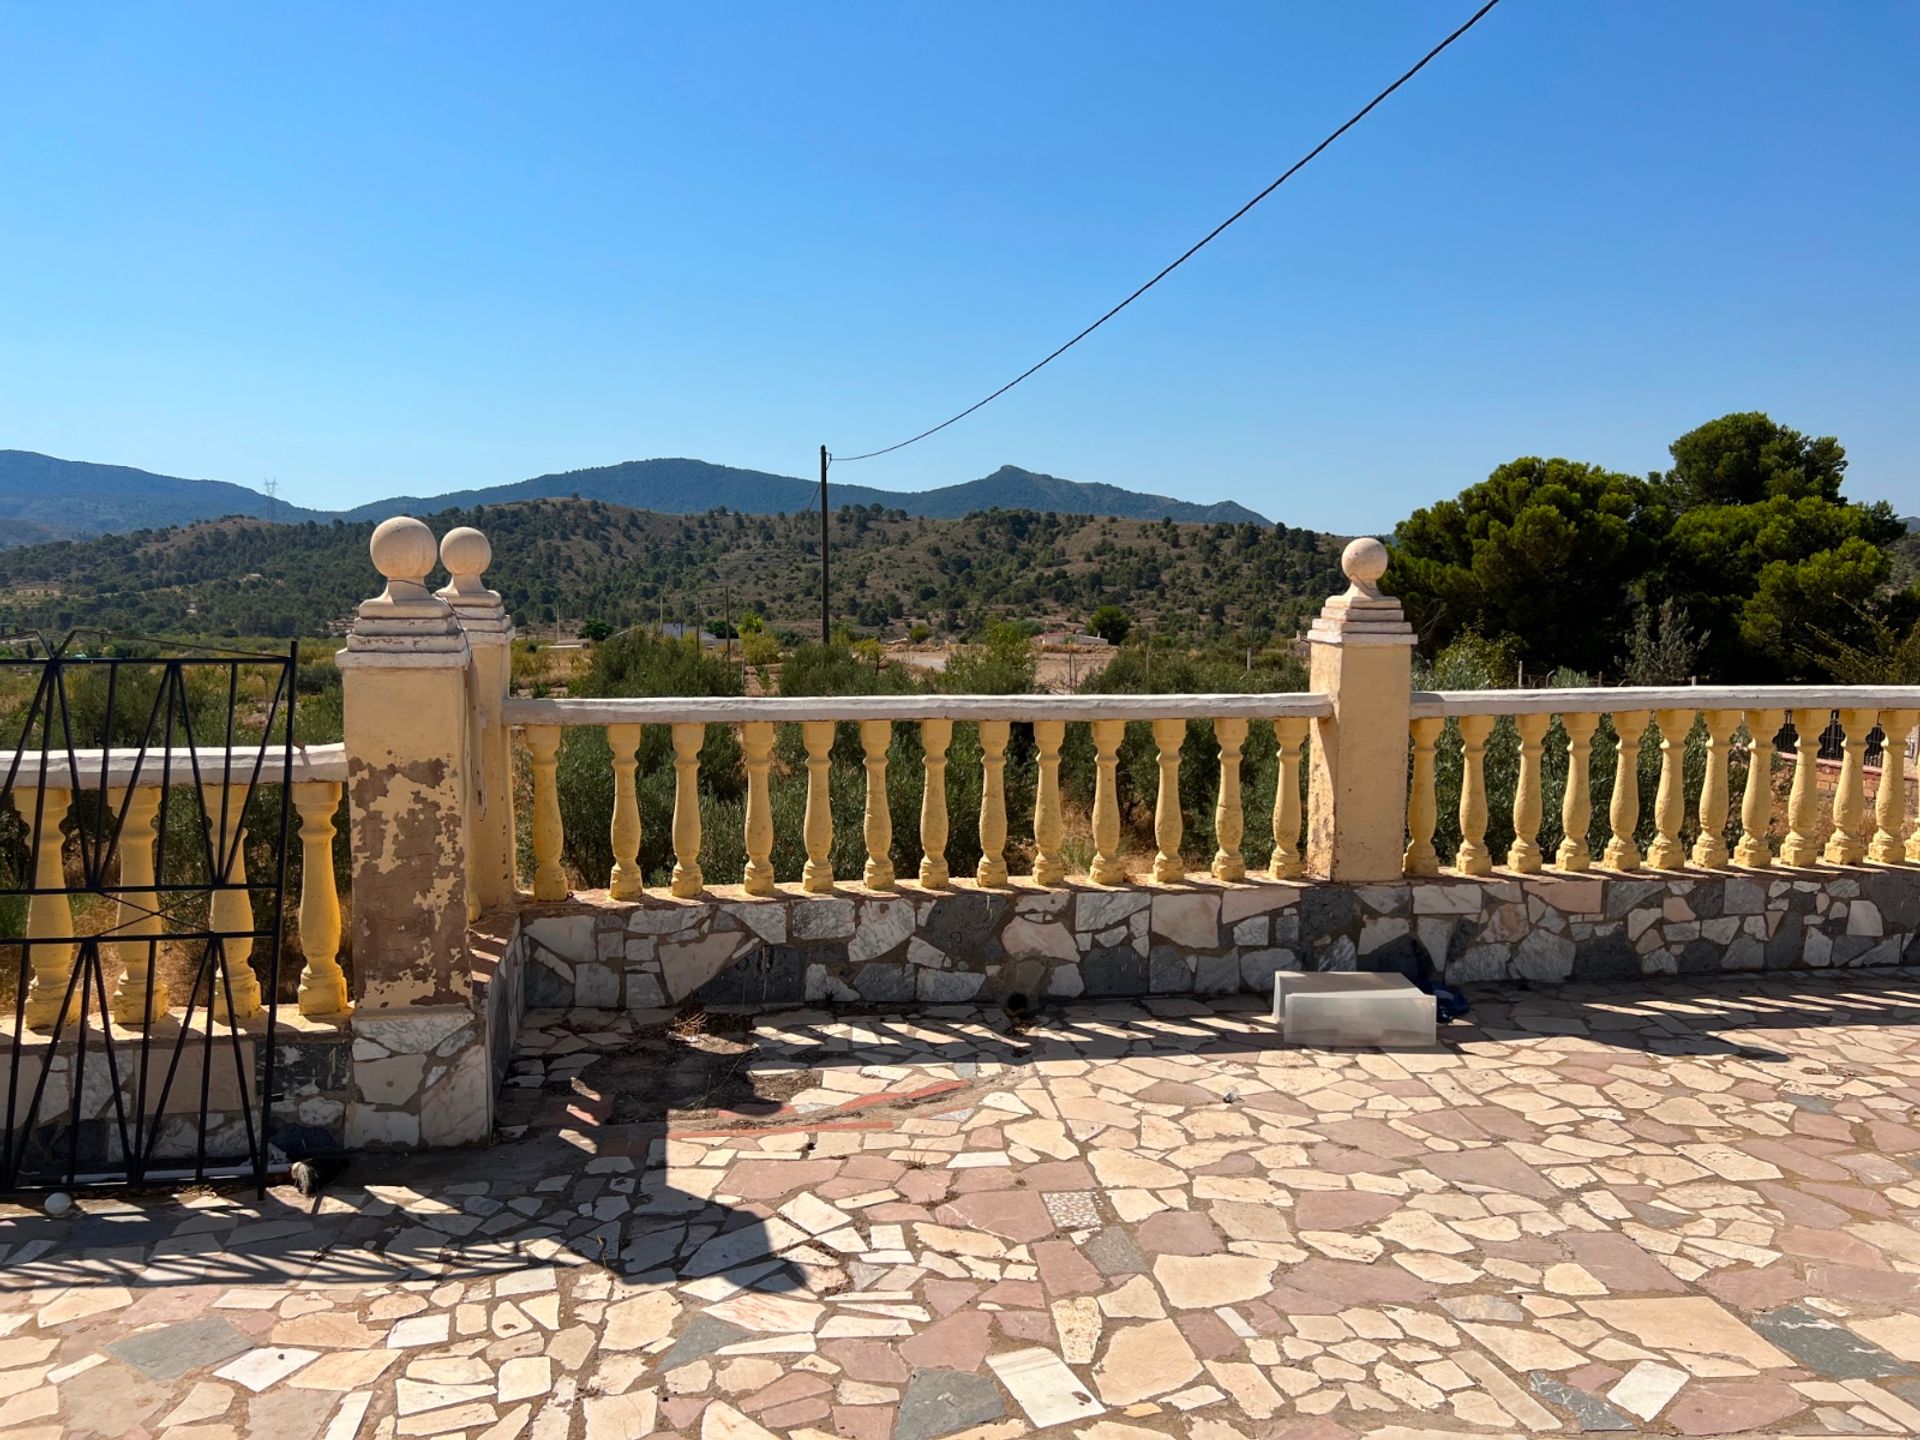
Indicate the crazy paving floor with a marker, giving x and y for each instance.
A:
(1691, 1211)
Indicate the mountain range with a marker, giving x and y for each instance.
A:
(44, 498)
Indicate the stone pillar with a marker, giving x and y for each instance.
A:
(467, 554)
(1362, 659)
(420, 1071)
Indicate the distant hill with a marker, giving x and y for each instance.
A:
(562, 561)
(691, 487)
(44, 498)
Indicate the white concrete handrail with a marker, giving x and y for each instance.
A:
(83, 769)
(734, 710)
(1595, 700)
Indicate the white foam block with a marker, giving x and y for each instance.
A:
(1353, 1007)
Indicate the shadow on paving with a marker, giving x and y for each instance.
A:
(598, 1207)
(1725, 1016)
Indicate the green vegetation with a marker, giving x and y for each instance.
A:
(572, 564)
(1745, 550)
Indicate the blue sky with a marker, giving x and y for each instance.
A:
(373, 249)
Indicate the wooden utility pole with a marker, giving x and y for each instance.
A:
(826, 619)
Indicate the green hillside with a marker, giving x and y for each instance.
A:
(561, 562)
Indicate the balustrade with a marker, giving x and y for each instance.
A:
(138, 929)
(1719, 713)
(541, 721)
(1890, 800)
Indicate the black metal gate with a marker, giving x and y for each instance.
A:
(143, 841)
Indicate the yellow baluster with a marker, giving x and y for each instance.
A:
(1848, 843)
(625, 883)
(323, 985)
(817, 877)
(1229, 824)
(1803, 801)
(935, 737)
(1623, 851)
(1048, 828)
(1167, 866)
(543, 749)
(49, 917)
(1290, 738)
(756, 745)
(992, 869)
(1524, 854)
(230, 913)
(1474, 858)
(1756, 801)
(1422, 807)
(875, 736)
(1106, 868)
(1576, 805)
(1890, 801)
(1710, 845)
(136, 916)
(1669, 799)
(688, 881)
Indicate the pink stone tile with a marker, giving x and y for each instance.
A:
(1054, 1175)
(947, 1296)
(1619, 1264)
(1065, 1271)
(800, 1412)
(1017, 1215)
(795, 1385)
(983, 1177)
(1027, 1325)
(959, 1342)
(925, 1187)
(1493, 1166)
(776, 1179)
(681, 1411)
(863, 1422)
(1358, 1284)
(1208, 1334)
(875, 1168)
(1891, 1138)
(1834, 1245)
(1017, 1295)
(1186, 1232)
(1801, 1208)
(1796, 1157)
(1341, 1209)
(1851, 1197)
(1747, 1289)
(1851, 1282)
(875, 1362)
(1726, 1407)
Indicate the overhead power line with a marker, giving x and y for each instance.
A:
(1195, 249)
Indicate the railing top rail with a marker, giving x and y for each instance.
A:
(68, 769)
(662, 710)
(1596, 700)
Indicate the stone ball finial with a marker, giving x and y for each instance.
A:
(403, 550)
(465, 551)
(1364, 561)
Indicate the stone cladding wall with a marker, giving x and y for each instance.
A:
(312, 1081)
(967, 943)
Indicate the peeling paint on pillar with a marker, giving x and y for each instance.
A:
(421, 1071)
(409, 885)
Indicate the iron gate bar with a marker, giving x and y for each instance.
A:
(98, 830)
